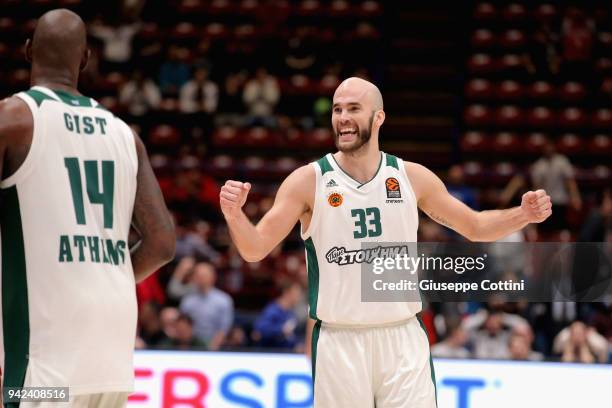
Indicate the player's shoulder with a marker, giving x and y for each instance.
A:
(416, 170)
(15, 117)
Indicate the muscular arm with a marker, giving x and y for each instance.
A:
(439, 205)
(16, 127)
(292, 201)
(152, 221)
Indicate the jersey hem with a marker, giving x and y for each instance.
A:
(368, 325)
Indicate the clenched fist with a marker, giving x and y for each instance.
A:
(536, 205)
(232, 197)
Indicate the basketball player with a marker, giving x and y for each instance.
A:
(364, 354)
(74, 178)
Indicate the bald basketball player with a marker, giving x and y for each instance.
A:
(73, 179)
(364, 354)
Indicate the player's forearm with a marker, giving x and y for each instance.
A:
(150, 255)
(246, 238)
(495, 224)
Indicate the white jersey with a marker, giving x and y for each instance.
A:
(346, 214)
(68, 292)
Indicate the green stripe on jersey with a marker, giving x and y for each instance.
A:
(324, 165)
(431, 366)
(15, 314)
(73, 100)
(392, 161)
(313, 277)
(313, 350)
(38, 96)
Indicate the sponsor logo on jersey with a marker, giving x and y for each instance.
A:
(331, 183)
(393, 188)
(335, 199)
(343, 256)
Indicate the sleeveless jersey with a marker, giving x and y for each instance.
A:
(68, 291)
(346, 214)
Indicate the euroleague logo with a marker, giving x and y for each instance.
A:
(335, 199)
(393, 188)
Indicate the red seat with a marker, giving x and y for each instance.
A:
(478, 89)
(222, 166)
(541, 90)
(164, 135)
(169, 105)
(260, 137)
(320, 138)
(4, 50)
(605, 39)
(509, 116)
(477, 115)
(309, 8)
(256, 166)
(216, 31)
(514, 12)
(541, 117)
(149, 30)
(600, 144)
(502, 173)
(513, 39)
(111, 103)
(248, 7)
(473, 172)
(602, 118)
(572, 92)
(535, 142)
(545, 12)
(221, 7)
(510, 61)
(190, 7)
(480, 64)
(510, 91)
(570, 143)
(572, 117)
(7, 25)
(184, 30)
(295, 138)
(226, 136)
(483, 38)
(506, 142)
(604, 65)
(474, 142)
(246, 31)
(369, 8)
(485, 11)
(339, 8)
(284, 165)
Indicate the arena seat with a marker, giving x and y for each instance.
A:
(514, 12)
(541, 90)
(483, 38)
(474, 142)
(535, 142)
(480, 64)
(509, 116)
(541, 117)
(485, 11)
(513, 39)
(479, 89)
(510, 91)
(545, 12)
(226, 136)
(602, 118)
(320, 138)
(506, 142)
(570, 143)
(509, 62)
(572, 92)
(260, 137)
(600, 145)
(184, 30)
(572, 117)
(164, 135)
(477, 115)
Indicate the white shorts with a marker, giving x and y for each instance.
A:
(103, 400)
(382, 367)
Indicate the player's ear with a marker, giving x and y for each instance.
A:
(28, 50)
(379, 117)
(85, 59)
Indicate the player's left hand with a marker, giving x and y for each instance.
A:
(536, 205)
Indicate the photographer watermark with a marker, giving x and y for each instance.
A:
(537, 272)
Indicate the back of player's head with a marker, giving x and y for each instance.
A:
(59, 41)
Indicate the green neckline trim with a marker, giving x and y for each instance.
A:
(324, 165)
(357, 181)
(392, 161)
(73, 100)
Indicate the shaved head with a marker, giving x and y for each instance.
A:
(58, 50)
(363, 90)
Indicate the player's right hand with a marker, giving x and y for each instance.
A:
(232, 197)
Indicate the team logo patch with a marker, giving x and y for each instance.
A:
(335, 199)
(393, 188)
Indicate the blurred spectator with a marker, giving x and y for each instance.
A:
(236, 339)
(554, 173)
(276, 325)
(199, 94)
(192, 241)
(598, 224)
(117, 40)
(184, 338)
(261, 94)
(168, 317)
(543, 58)
(578, 31)
(453, 346)
(211, 309)
(195, 193)
(579, 343)
(180, 283)
(457, 188)
(231, 107)
(491, 339)
(150, 326)
(520, 345)
(139, 95)
(174, 72)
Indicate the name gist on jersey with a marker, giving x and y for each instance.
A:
(81, 248)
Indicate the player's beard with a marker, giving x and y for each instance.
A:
(363, 137)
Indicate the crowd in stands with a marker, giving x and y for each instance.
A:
(190, 80)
